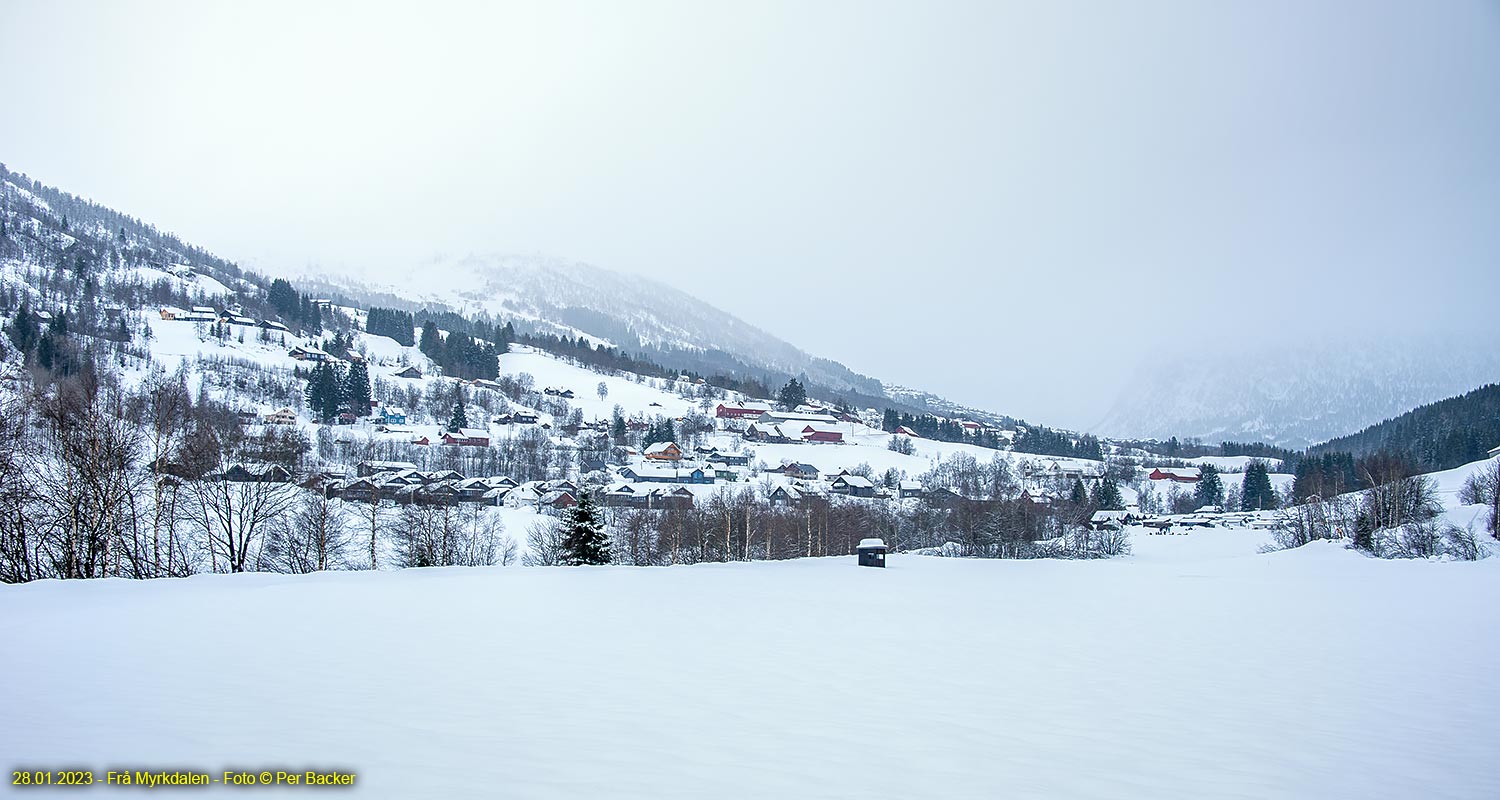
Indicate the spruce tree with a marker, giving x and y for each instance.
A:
(1256, 492)
(584, 540)
(356, 388)
(431, 343)
(1080, 495)
(793, 394)
(1210, 489)
(460, 419)
(617, 428)
(1109, 498)
(325, 392)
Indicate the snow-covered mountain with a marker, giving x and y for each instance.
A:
(1296, 397)
(639, 315)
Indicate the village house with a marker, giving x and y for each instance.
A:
(806, 472)
(664, 451)
(730, 459)
(365, 469)
(646, 473)
(678, 498)
(910, 489)
(623, 495)
(817, 435)
(197, 314)
(408, 372)
(272, 325)
(308, 353)
(467, 437)
(749, 408)
(1036, 500)
(852, 486)
(558, 501)
(285, 416)
(784, 497)
(778, 417)
(256, 473)
(1176, 474)
(1111, 520)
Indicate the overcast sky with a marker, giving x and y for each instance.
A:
(1009, 204)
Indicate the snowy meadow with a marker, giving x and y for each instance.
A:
(1196, 667)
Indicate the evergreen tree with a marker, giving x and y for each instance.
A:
(583, 538)
(617, 428)
(891, 422)
(1210, 489)
(356, 389)
(460, 419)
(1080, 496)
(45, 352)
(431, 343)
(1109, 497)
(23, 330)
(659, 431)
(1256, 492)
(284, 299)
(793, 394)
(325, 392)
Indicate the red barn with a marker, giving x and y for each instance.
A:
(739, 410)
(1178, 474)
(468, 437)
(822, 435)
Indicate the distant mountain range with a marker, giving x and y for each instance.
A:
(1292, 398)
(1299, 396)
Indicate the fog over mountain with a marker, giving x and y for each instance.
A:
(1295, 396)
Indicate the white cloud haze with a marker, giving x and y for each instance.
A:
(1006, 203)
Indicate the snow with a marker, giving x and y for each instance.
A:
(633, 397)
(1231, 463)
(1195, 668)
(197, 283)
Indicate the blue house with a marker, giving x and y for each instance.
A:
(393, 416)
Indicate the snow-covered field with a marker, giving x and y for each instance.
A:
(1196, 668)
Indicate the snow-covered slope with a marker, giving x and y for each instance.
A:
(569, 297)
(1195, 668)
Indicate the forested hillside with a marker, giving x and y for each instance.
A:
(1437, 436)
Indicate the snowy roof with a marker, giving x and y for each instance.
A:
(911, 486)
(659, 447)
(782, 416)
(856, 480)
(750, 405)
(469, 433)
(1181, 472)
(863, 543)
(389, 465)
(204, 309)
